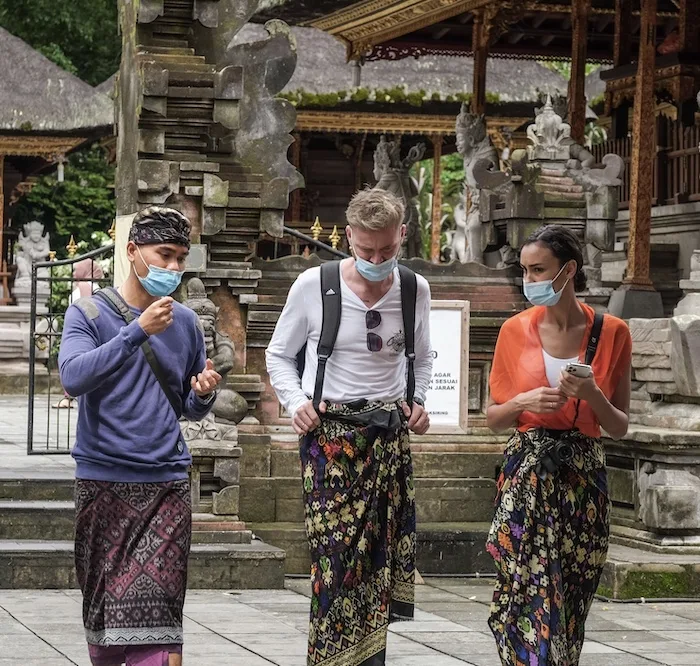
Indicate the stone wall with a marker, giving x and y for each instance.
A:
(662, 377)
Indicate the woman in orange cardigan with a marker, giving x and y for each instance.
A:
(549, 536)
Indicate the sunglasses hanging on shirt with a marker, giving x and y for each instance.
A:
(372, 320)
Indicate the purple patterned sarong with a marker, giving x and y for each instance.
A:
(132, 541)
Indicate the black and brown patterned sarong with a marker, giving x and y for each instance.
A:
(132, 541)
(361, 524)
(549, 540)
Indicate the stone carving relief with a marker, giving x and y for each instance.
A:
(230, 408)
(393, 175)
(475, 147)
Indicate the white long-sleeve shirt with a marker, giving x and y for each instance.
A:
(352, 371)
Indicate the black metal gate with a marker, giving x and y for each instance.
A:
(55, 284)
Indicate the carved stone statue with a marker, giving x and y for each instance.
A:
(474, 145)
(509, 257)
(229, 406)
(33, 247)
(550, 135)
(393, 175)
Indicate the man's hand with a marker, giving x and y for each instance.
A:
(418, 419)
(305, 419)
(576, 387)
(206, 381)
(157, 316)
(542, 400)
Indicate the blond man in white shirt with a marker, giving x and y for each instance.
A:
(356, 462)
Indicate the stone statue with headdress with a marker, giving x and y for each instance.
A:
(393, 175)
(475, 147)
(33, 247)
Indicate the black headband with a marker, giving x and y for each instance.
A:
(156, 225)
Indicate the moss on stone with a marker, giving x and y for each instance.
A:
(660, 584)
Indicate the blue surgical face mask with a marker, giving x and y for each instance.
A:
(159, 282)
(542, 292)
(375, 272)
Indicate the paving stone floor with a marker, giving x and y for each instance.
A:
(259, 628)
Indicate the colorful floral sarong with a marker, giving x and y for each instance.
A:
(361, 524)
(549, 540)
(132, 541)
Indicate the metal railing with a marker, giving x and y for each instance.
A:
(45, 332)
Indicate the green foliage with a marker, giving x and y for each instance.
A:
(452, 181)
(56, 55)
(395, 95)
(80, 35)
(82, 206)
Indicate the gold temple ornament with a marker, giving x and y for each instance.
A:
(113, 231)
(72, 247)
(334, 238)
(316, 229)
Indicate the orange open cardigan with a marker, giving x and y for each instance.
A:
(518, 366)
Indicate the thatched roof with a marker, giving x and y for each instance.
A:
(107, 87)
(322, 68)
(39, 96)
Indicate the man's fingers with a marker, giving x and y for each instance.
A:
(323, 407)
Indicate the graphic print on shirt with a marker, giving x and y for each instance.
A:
(397, 342)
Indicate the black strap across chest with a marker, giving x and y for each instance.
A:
(111, 296)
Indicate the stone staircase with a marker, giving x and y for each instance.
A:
(36, 544)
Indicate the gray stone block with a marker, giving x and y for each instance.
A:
(654, 375)
(651, 348)
(685, 353)
(669, 498)
(689, 304)
(662, 388)
(660, 361)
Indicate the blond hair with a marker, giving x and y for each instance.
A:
(375, 210)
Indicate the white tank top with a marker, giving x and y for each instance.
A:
(554, 366)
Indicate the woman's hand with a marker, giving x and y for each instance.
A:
(542, 400)
(577, 387)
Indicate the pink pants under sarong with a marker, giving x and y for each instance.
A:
(132, 655)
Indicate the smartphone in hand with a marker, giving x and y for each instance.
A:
(580, 370)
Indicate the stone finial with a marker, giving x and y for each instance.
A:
(550, 135)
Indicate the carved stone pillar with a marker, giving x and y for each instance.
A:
(436, 215)
(577, 84)
(637, 297)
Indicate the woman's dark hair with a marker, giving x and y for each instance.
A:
(564, 246)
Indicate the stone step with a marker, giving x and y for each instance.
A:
(442, 548)
(284, 462)
(50, 565)
(55, 489)
(438, 500)
(54, 521)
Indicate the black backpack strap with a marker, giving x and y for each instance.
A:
(595, 337)
(591, 348)
(409, 294)
(111, 296)
(331, 305)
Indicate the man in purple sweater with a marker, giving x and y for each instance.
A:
(133, 511)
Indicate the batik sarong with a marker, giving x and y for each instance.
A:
(361, 524)
(549, 540)
(132, 542)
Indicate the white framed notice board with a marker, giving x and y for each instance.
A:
(447, 400)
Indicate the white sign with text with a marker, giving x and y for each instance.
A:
(447, 399)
